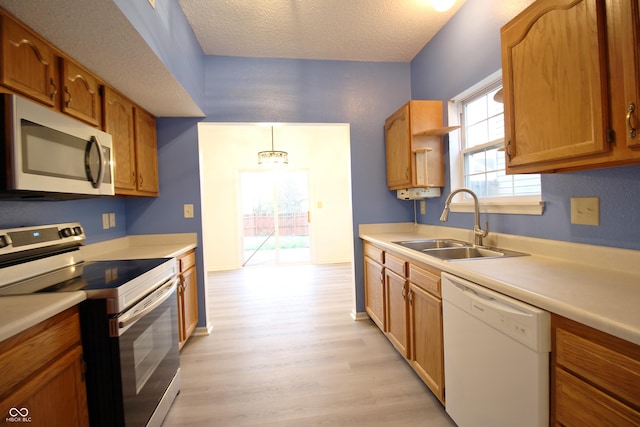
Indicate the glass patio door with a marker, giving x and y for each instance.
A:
(275, 217)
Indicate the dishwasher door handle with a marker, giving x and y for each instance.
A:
(489, 301)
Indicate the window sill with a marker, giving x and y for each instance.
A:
(514, 208)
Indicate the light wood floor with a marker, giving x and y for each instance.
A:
(284, 351)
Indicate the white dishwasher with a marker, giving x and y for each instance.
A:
(496, 357)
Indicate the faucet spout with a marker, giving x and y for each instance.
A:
(478, 232)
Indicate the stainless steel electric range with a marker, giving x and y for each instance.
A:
(129, 321)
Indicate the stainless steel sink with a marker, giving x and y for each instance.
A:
(471, 252)
(422, 245)
(456, 250)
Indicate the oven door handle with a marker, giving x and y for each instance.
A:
(148, 304)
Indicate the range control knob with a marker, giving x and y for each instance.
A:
(77, 231)
(66, 232)
(4, 241)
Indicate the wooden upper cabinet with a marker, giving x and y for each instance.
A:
(80, 93)
(623, 23)
(118, 121)
(415, 127)
(146, 152)
(28, 63)
(555, 79)
(570, 74)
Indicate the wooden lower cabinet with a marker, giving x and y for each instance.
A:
(374, 297)
(43, 375)
(408, 296)
(427, 352)
(187, 297)
(396, 290)
(595, 377)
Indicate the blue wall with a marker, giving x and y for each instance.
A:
(466, 51)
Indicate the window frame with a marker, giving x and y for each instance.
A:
(519, 205)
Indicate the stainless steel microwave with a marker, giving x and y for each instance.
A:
(47, 154)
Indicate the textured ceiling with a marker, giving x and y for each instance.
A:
(357, 30)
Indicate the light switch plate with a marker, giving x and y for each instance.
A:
(585, 210)
(105, 221)
(423, 207)
(112, 220)
(188, 210)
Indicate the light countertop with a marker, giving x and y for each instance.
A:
(593, 285)
(20, 312)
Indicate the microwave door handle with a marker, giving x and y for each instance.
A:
(95, 181)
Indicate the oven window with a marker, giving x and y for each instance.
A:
(150, 348)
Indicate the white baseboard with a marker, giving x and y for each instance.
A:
(359, 315)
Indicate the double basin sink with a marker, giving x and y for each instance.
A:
(455, 250)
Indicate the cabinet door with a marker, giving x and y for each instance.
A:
(28, 63)
(190, 300)
(624, 31)
(146, 151)
(118, 121)
(555, 84)
(426, 339)
(80, 93)
(397, 320)
(374, 292)
(398, 149)
(56, 396)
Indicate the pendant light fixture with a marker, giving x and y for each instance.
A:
(273, 158)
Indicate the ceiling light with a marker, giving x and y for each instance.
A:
(273, 158)
(442, 5)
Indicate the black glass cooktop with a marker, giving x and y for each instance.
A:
(89, 276)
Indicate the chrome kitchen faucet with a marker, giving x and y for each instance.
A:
(478, 232)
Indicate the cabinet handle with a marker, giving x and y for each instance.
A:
(67, 101)
(54, 88)
(509, 148)
(141, 179)
(631, 129)
(381, 278)
(406, 173)
(404, 292)
(410, 297)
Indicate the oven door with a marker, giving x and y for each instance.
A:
(147, 336)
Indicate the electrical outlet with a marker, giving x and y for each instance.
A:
(423, 207)
(105, 221)
(585, 210)
(112, 220)
(188, 210)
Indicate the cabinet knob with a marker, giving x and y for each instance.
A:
(630, 128)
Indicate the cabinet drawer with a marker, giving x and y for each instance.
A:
(581, 405)
(39, 345)
(373, 252)
(395, 264)
(606, 361)
(425, 279)
(186, 261)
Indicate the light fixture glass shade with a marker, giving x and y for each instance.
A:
(273, 158)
